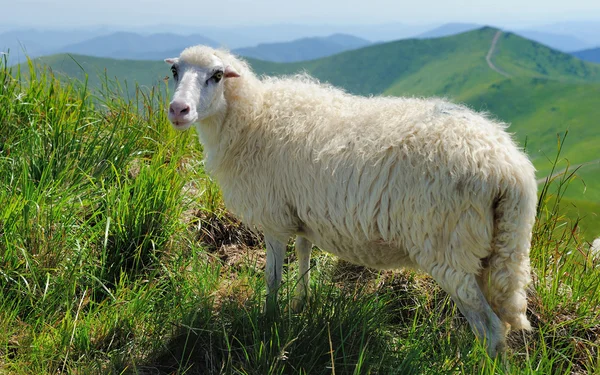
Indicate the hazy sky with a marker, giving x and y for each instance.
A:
(251, 12)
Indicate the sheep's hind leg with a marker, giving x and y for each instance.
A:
(303, 248)
(466, 293)
(273, 272)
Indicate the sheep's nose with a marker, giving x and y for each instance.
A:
(179, 108)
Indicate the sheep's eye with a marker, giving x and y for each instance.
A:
(216, 76)
(174, 71)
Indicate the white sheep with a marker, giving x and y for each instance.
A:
(381, 182)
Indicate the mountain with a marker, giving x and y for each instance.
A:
(33, 42)
(592, 55)
(448, 30)
(587, 31)
(125, 45)
(244, 36)
(556, 40)
(49, 39)
(303, 49)
(96, 42)
(561, 42)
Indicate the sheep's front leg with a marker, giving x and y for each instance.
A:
(303, 247)
(273, 271)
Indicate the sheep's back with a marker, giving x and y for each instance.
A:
(366, 177)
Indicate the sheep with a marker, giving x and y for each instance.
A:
(381, 182)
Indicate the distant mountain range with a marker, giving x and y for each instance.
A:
(448, 30)
(247, 36)
(124, 45)
(592, 55)
(586, 31)
(30, 42)
(127, 45)
(101, 42)
(303, 49)
(561, 42)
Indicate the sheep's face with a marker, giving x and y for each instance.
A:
(199, 89)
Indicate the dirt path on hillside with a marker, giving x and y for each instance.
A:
(571, 168)
(488, 58)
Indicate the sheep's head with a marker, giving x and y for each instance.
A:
(199, 76)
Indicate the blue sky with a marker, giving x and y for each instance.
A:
(229, 13)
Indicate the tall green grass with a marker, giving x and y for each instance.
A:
(117, 256)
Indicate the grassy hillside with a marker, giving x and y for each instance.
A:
(538, 109)
(374, 69)
(118, 257)
(523, 57)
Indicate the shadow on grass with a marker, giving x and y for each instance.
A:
(347, 328)
(240, 339)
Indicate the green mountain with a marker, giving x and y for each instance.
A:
(540, 92)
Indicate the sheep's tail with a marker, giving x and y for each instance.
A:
(506, 272)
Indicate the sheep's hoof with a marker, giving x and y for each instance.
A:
(494, 349)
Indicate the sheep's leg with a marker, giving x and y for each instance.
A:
(303, 248)
(273, 271)
(466, 293)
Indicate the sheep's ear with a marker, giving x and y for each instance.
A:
(171, 60)
(230, 72)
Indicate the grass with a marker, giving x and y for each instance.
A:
(117, 256)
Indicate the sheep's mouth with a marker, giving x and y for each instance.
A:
(181, 124)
